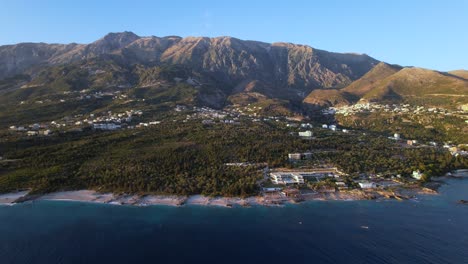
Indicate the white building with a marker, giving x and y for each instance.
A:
(307, 133)
(294, 156)
(106, 126)
(367, 185)
(45, 132)
(324, 126)
(32, 133)
(417, 175)
(396, 136)
(297, 177)
(286, 178)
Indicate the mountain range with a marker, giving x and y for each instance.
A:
(223, 70)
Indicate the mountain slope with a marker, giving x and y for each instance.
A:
(367, 83)
(285, 70)
(420, 85)
(460, 73)
(354, 91)
(391, 83)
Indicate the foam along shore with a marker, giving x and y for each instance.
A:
(10, 198)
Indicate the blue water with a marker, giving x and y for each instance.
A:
(433, 229)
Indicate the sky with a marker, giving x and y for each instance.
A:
(429, 34)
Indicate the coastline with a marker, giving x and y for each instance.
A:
(268, 199)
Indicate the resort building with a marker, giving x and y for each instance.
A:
(297, 177)
(286, 178)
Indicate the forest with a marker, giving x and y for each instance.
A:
(189, 158)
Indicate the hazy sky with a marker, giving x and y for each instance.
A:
(430, 34)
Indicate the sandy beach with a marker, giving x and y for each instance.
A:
(10, 198)
(267, 199)
(145, 200)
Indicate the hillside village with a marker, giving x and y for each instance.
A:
(366, 107)
(132, 119)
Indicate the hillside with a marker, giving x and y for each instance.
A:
(391, 83)
(367, 82)
(420, 86)
(222, 71)
(282, 70)
(460, 73)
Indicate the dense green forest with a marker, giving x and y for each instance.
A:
(188, 158)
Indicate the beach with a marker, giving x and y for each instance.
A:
(10, 198)
(265, 199)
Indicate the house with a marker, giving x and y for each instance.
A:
(367, 185)
(332, 127)
(45, 132)
(32, 133)
(417, 175)
(453, 149)
(271, 189)
(307, 133)
(409, 142)
(300, 156)
(106, 126)
(341, 185)
(307, 155)
(345, 131)
(324, 126)
(396, 136)
(294, 156)
(207, 122)
(304, 125)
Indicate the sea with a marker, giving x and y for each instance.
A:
(427, 229)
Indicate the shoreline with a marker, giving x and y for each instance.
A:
(267, 199)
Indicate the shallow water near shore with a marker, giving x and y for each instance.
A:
(430, 229)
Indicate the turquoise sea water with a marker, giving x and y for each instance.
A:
(430, 229)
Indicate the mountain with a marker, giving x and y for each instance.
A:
(230, 65)
(392, 83)
(418, 84)
(367, 83)
(460, 73)
(223, 70)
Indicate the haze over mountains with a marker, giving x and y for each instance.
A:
(222, 68)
